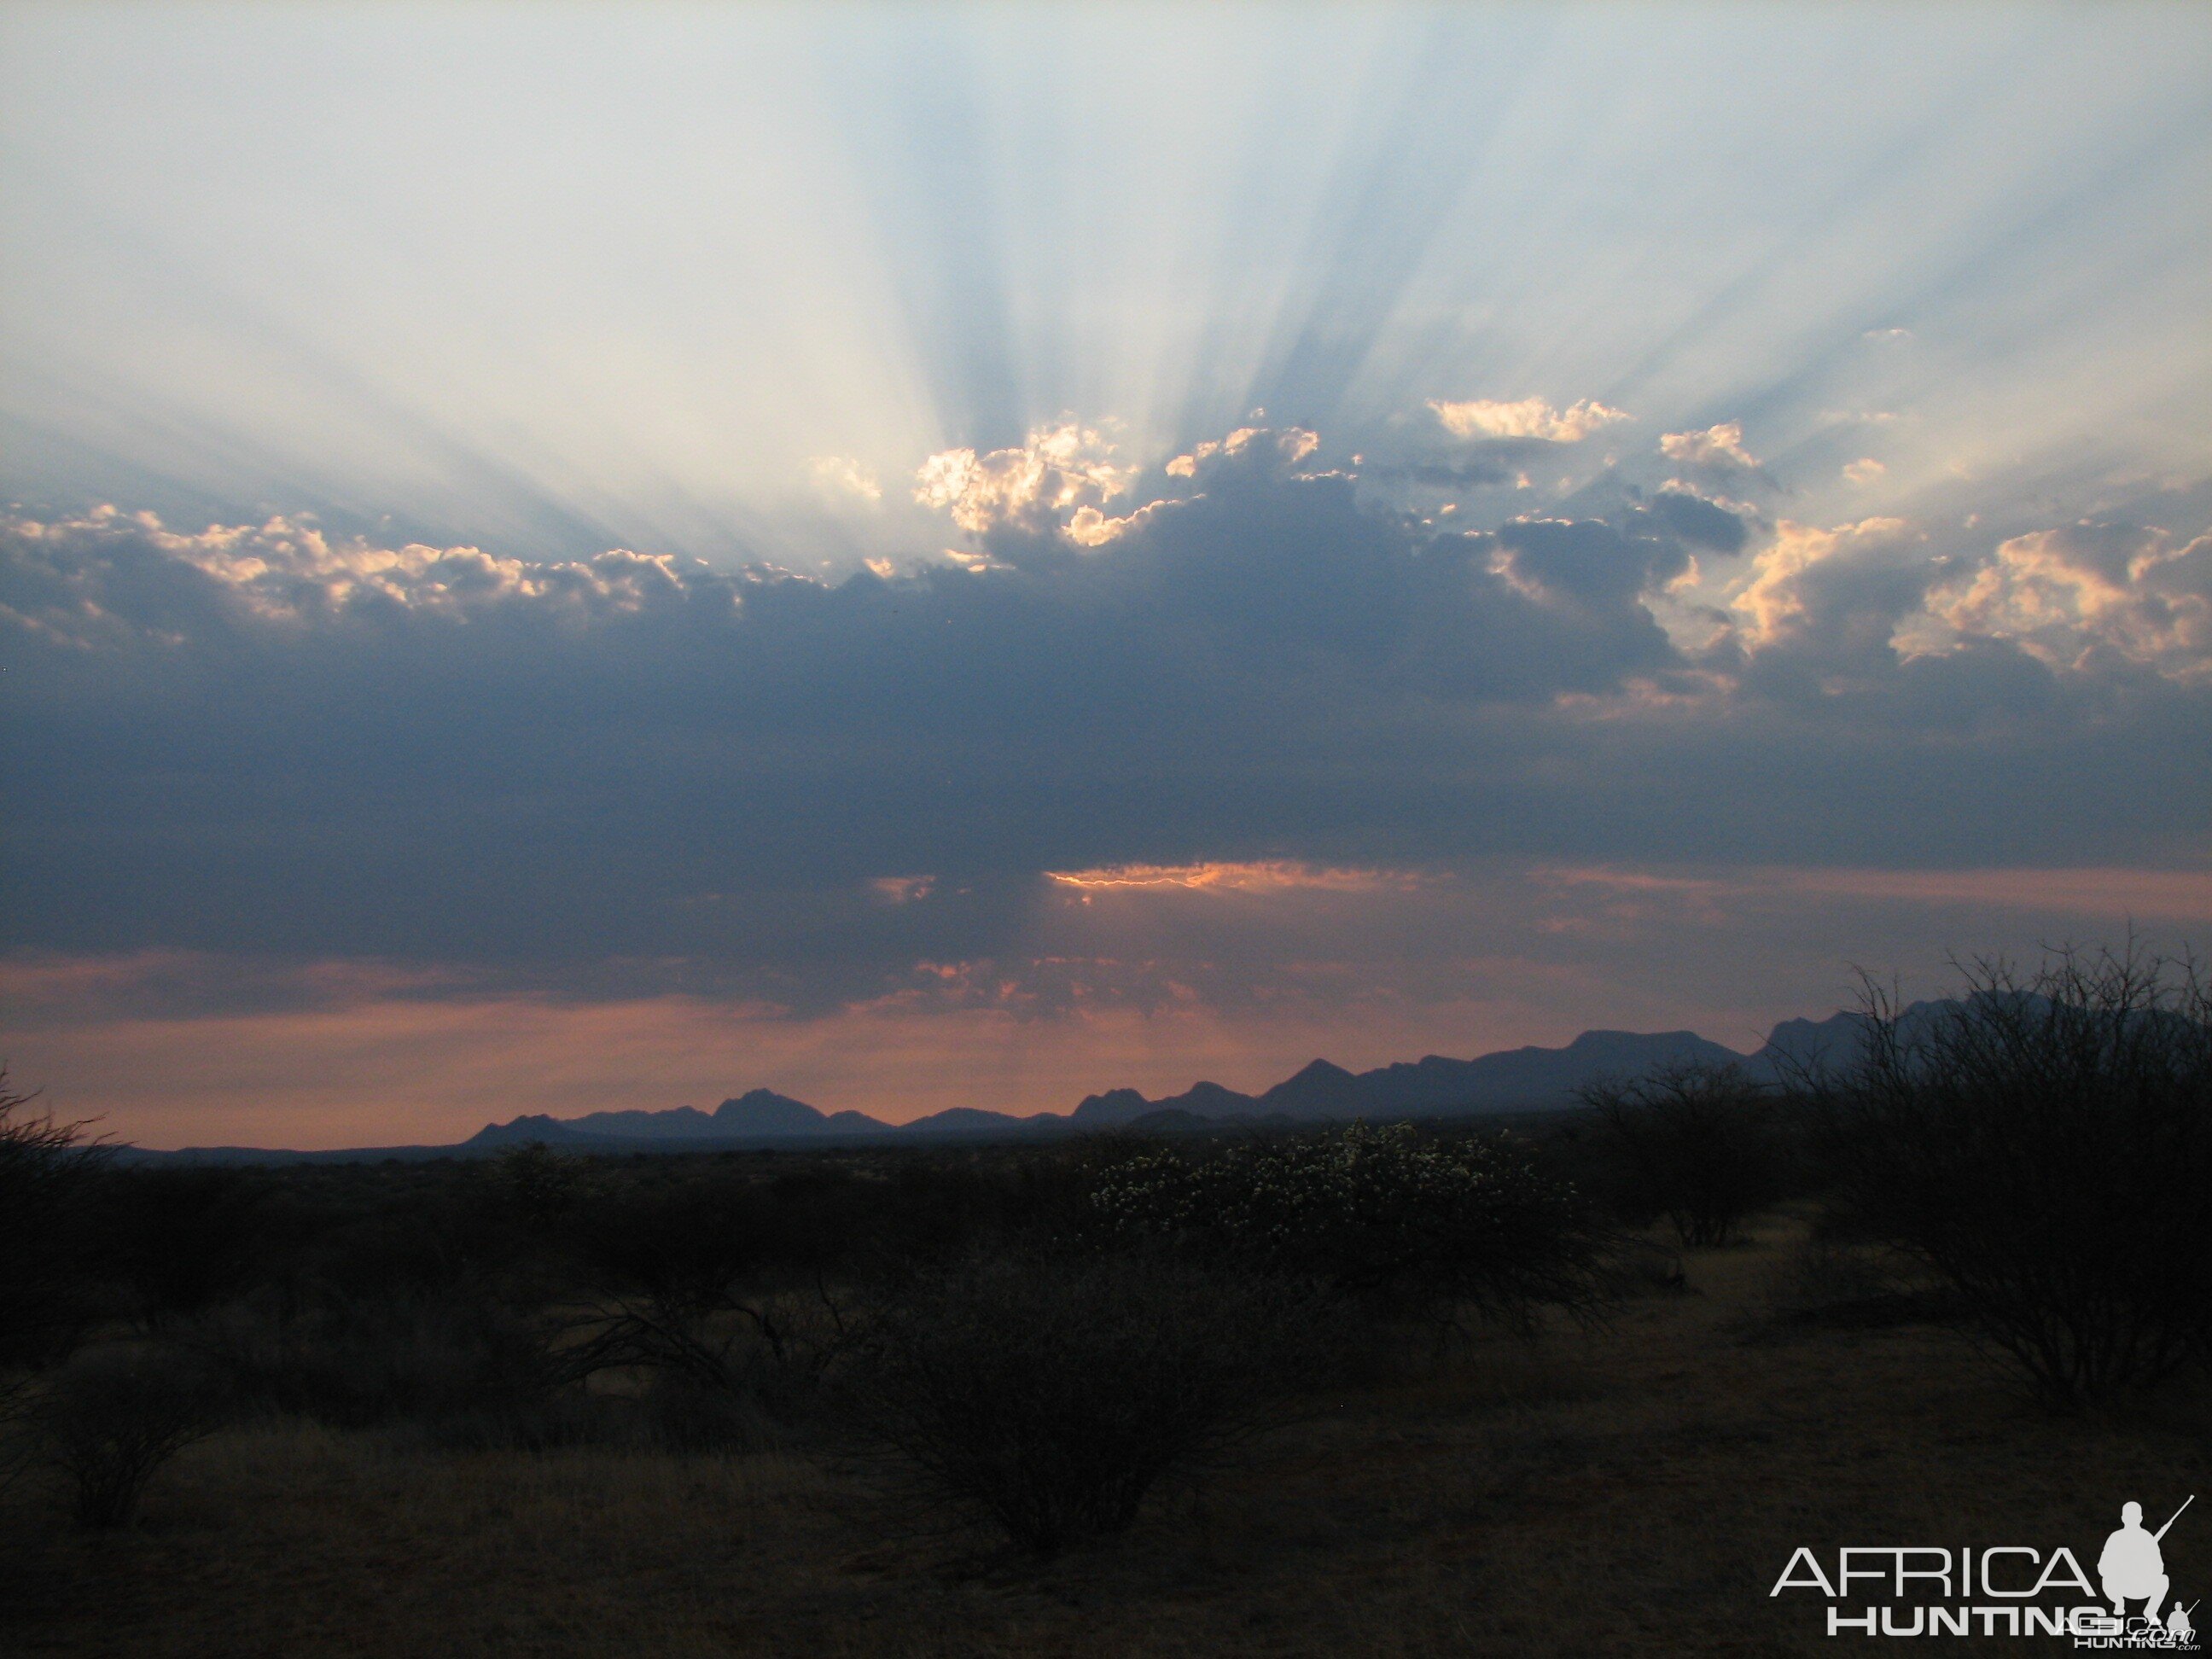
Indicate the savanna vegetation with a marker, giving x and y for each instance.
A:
(1578, 1384)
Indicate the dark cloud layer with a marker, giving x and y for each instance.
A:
(259, 740)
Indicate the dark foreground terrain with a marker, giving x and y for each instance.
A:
(1635, 1488)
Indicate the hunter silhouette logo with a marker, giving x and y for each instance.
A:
(2006, 1589)
(2132, 1565)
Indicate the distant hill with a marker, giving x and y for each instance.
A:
(1797, 1045)
(758, 1118)
(1119, 1106)
(757, 1114)
(969, 1120)
(760, 1112)
(1508, 1080)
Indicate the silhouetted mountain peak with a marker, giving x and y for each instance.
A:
(1811, 1044)
(764, 1111)
(969, 1120)
(1116, 1106)
(1795, 1046)
(1206, 1100)
(1318, 1089)
(681, 1121)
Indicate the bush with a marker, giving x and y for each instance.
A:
(48, 1298)
(681, 1264)
(112, 1420)
(47, 1172)
(1389, 1213)
(2044, 1146)
(1697, 1144)
(538, 1185)
(713, 1289)
(1049, 1395)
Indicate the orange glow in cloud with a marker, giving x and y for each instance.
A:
(901, 890)
(1264, 876)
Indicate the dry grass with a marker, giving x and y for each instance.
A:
(1631, 1490)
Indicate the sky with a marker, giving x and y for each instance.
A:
(558, 558)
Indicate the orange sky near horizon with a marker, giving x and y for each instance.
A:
(394, 1056)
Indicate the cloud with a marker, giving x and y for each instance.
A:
(1588, 562)
(2071, 595)
(1782, 595)
(1531, 418)
(1717, 447)
(1058, 470)
(1248, 451)
(110, 577)
(265, 734)
(1706, 521)
(629, 772)
(1865, 471)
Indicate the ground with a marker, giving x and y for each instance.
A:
(1636, 1488)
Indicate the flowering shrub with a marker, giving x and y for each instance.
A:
(1373, 1211)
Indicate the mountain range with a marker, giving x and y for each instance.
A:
(1508, 1080)
(1511, 1080)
